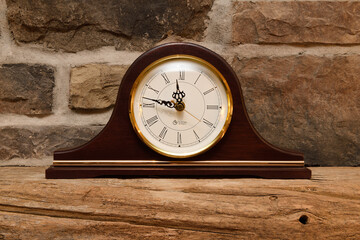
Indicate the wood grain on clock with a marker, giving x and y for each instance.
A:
(118, 141)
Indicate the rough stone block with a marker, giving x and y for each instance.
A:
(307, 103)
(26, 89)
(41, 141)
(88, 24)
(329, 22)
(95, 86)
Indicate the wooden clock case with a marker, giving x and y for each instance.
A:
(100, 157)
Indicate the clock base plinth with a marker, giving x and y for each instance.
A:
(63, 172)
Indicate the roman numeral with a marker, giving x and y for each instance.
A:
(151, 121)
(148, 105)
(207, 122)
(165, 78)
(197, 136)
(157, 92)
(182, 75)
(163, 133)
(179, 138)
(197, 78)
(209, 91)
(212, 107)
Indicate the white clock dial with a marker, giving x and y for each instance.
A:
(180, 106)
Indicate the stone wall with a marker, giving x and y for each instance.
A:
(61, 63)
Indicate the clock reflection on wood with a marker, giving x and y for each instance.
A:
(179, 113)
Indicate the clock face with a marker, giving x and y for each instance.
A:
(180, 106)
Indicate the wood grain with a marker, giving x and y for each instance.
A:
(32, 207)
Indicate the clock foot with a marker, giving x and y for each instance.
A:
(56, 172)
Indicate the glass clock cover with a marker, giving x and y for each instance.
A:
(180, 106)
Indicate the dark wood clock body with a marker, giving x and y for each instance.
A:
(118, 141)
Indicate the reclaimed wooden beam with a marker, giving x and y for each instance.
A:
(325, 207)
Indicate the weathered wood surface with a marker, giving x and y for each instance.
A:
(32, 207)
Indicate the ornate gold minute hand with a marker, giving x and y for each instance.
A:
(162, 102)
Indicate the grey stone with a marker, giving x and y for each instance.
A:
(330, 22)
(26, 89)
(88, 24)
(42, 141)
(306, 103)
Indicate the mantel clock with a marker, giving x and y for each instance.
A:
(179, 113)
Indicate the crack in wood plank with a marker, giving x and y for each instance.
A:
(210, 192)
(102, 218)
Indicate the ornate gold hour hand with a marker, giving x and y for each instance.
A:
(162, 102)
